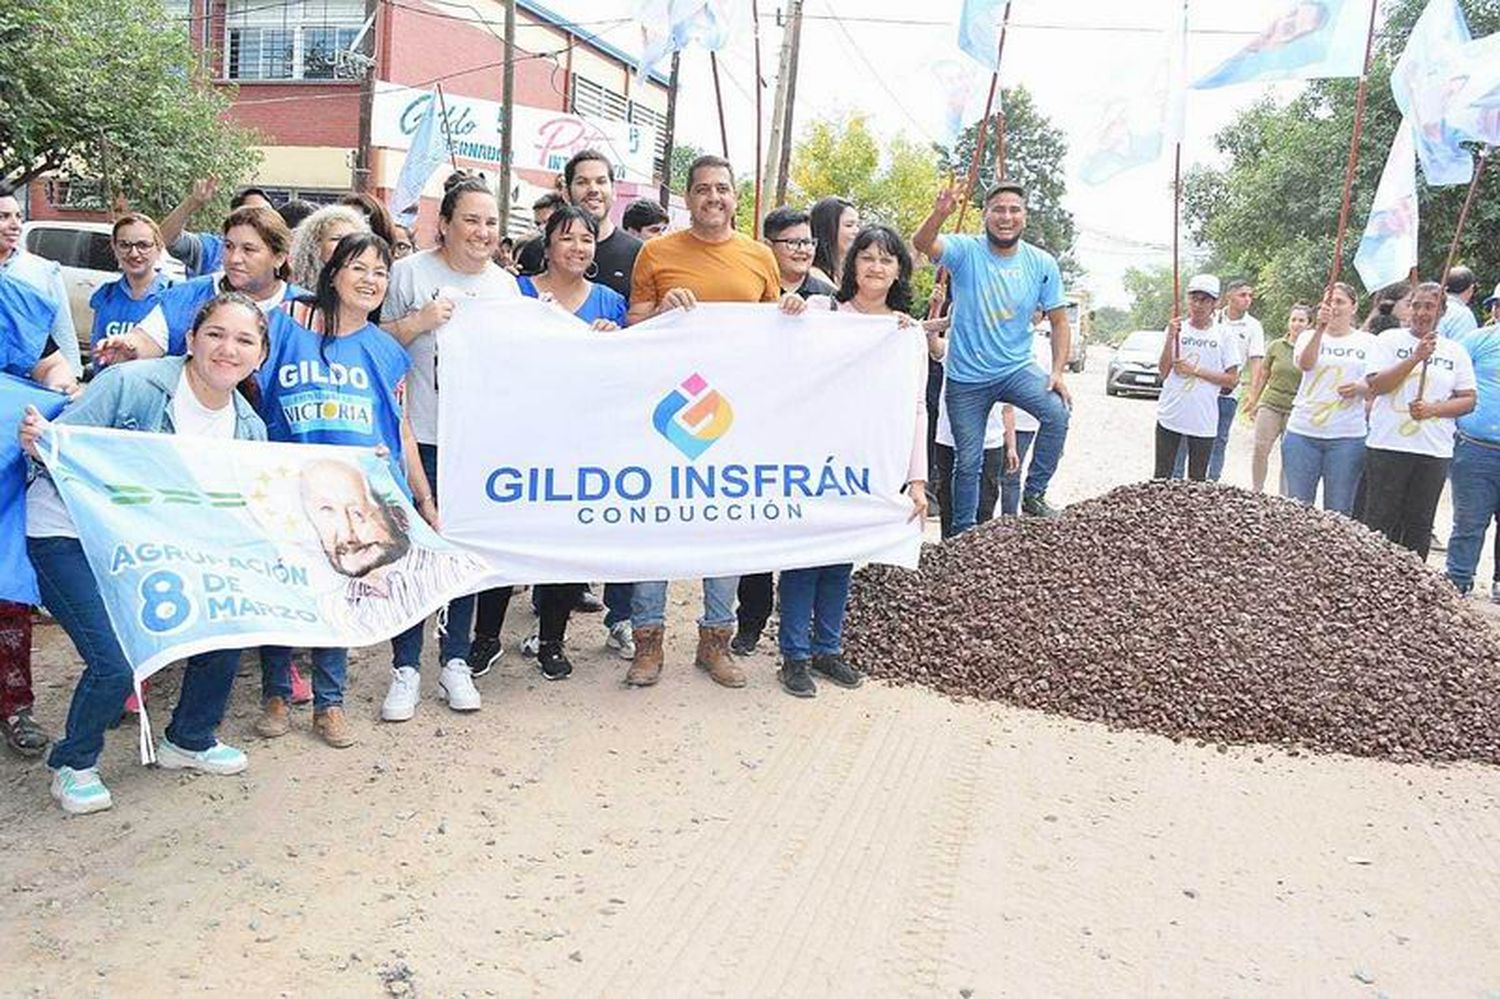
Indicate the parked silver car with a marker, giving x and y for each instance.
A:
(1133, 368)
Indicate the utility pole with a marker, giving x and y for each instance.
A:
(666, 167)
(507, 114)
(364, 166)
(779, 155)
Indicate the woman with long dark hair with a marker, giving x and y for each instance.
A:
(835, 223)
(317, 335)
(876, 282)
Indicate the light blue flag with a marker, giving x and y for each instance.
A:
(429, 150)
(979, 31)
(1388, 249)
(669, 25)
(1473, 111)
(1430, 72)
(1312, 39)
(17, 582)
(202, 544)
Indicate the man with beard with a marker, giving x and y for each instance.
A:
(997, 281)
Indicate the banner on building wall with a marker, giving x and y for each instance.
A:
(201, 544)
(544, 139)
(724, 440)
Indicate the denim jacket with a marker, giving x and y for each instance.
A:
(138, 396)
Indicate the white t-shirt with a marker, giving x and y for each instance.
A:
(415, 281)
(1249, 336)
(1449, 370)
(154, 323)
(1191, 405)
(1319, 411)
(48, 517)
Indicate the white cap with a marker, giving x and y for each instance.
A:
(1493, 298)
(1206, 283)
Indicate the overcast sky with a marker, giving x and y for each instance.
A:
(873, 56)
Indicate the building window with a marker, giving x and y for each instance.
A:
(644, 116)
(296, 40)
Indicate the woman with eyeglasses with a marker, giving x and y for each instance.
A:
(405, 244)
(788, 231)
(120, 304)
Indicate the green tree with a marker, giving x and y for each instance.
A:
(1110, 323)
(1034, 152)
(112, 93)
(894, 184)
(1150, 290)
(1272, 213)
(682, 158)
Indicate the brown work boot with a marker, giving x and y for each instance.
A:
(333, 726)
(713, 655)
(275, 719)
(646, 667)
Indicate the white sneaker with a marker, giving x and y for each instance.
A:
(532, 645)
(216, 759)
(401, 700)
(456, 684)
(80, 792)
(621, 639)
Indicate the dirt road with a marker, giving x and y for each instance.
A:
(578, 838)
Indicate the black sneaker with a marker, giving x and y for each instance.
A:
(838, 671)
(588, 603)
(1037, 506)
(484, 652)
(744, 642)
(795, 679)
(553, 664)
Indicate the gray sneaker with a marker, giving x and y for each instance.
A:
(1033, 505)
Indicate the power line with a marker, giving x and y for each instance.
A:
(878, 76)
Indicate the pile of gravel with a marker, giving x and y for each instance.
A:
(1195, 611)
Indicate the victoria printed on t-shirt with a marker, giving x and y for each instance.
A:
(1449, 370)
(994, 296)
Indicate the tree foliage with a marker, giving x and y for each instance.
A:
(1034, 152)
(894, 184)
(111, 92)
(1272, 213)
(1150, 290)
(1111, 323)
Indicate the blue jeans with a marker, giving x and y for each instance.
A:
(1228, 406)
(617, 598)
(71, 594)
(330, 668)
(648, 603)
(1010, 482)
(969, 406)
(1475, 475)
(1338, 463)
(812, 611)
(454, 642)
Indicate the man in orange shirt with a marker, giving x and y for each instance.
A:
(707, 262)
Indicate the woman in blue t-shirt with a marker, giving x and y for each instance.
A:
(568, 243)
(121, 304)
(256, 243)
(334, 377)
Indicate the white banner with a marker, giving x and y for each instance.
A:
(203, 544)
(544, 139)
(726, 440)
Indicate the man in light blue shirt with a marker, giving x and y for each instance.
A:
(997, 281)
(1458, 317)
(1475, 472)
(43, 275)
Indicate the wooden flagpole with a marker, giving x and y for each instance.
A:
(1176, 254)
(1458, 231)
(713, 62)
(938, 302)
(1353, 160)
(443, 111)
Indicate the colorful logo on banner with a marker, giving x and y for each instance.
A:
(693, 416)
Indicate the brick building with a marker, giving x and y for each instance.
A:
(298, 65)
